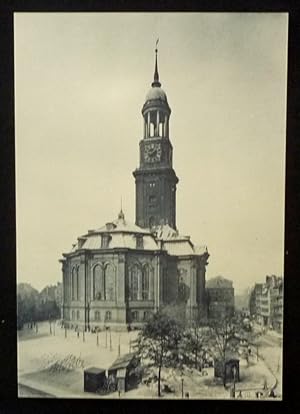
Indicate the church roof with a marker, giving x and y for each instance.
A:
(121, 225)
(175, 243)
(122, 234)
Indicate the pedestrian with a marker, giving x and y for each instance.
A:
(272, 393)
(187, 395)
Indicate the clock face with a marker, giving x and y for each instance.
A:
(152, 152)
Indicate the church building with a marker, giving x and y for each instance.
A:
(122, 272)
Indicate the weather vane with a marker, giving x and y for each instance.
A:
(156, 44)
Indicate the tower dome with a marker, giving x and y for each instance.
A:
(156, 93)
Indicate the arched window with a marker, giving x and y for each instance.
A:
(109, 276)
(160, 129)
(97, 316)
(108, 315)
(78, 315)
(73, 282)
(145, 283)
(98, 283)
(151, 130)
(134, 283)
(77, 283)
(183, 291)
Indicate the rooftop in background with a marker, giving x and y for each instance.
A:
(219, 282)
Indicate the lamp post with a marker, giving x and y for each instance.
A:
(182, 380)
(110, 344)
(105, 337)
(88, 316)
(119, 347)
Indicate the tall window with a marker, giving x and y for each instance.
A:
(97, 316)
(78, 315)
(73, 315)
(105, 238)
(134, 315)
(108, 315)
(73, 282)
(98, 283)
(134, 282)
(109, 276)
(77, 283)
(146, 315)
(145, 283)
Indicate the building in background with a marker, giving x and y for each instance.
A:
(220, 297)
(266, 302)
(52, 293)
(122, 272)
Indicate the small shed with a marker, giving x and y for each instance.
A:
(94, 379)
(126, 370)
(231, 369)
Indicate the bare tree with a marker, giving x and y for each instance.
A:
(224, 340)
(158, 343)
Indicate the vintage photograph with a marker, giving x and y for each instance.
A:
(150, 202)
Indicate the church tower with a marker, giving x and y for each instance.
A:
(155, 178)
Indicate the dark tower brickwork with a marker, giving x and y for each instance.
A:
(155, 178)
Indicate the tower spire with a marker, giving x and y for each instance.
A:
(156, 75)
(121, 215)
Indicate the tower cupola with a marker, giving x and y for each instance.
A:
(156, 110)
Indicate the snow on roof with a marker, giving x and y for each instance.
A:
(123, 361)
(123, 234)
(120, 240)
(199, 250)
(178, 247)
(94, 370)
(121, 225)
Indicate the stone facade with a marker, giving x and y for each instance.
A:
(266, 302)
(220, 297)
(122, 272)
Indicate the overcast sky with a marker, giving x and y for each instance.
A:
(80, 84)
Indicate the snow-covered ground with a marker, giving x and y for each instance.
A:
(54, 364)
